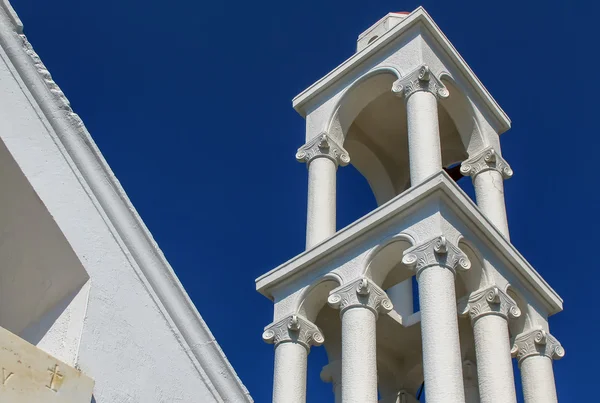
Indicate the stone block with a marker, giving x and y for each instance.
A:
(29, 375)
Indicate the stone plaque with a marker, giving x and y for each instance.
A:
(29, 375)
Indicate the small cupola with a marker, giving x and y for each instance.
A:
(379, 28)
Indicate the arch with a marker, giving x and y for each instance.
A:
(383, 259)
(356, 97)
(368, 164)
(314, 297)
(461, 112)
(373, 39)
(477, 276)
(524, 322)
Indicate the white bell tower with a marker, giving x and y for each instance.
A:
(407, 111)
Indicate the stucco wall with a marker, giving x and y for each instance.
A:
(125, 338)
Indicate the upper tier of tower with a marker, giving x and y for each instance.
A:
(355, 104)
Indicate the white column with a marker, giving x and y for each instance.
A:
(292, 337)
(436, 262)
(424, 150)
(535, 351)
(421, 89)
(359, 302)
(488, 171)
(322, 155)
(289, 382)
(489, 310)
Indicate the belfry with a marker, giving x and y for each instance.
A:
(405, 110)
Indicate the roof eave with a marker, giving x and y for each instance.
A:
(266, 283)
(304, 99)
(110, 198)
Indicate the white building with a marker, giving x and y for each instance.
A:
(404, 108)
(84, 289)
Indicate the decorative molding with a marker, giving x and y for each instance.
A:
(487, 160)
(362, 292)
(354, 65)
(436, 252)
(370, 228)
(294, 328)
(537, 342)
(12, 15)
(127, 227)
(421, 79)
(59, 97)
(489, 301)
(323, 146)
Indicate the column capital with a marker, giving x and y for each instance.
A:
(486, 160)
(294, 328)
(323, 146)
(536, 342)
(436, 252)
(489, 301)
(421, 79)
(363, 293)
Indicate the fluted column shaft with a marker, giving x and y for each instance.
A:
(322, 155)
(535, 351)
(292, 337)
(488, 171)
(435, 262)
(489, 310)
(359, 303)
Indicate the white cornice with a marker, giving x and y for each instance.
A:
(125, 223)
(439, 185)
(421, 16)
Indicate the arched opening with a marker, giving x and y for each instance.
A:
(399, 364)
(371, 123)
(354, 196)
(467, 282)
(515, 327)
(314, 299)
(518, 325)
(385, 268)
(373, 39)
(475, 278)
(313, 306)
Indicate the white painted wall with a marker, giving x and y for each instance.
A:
(131, 327)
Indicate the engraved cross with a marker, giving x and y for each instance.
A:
(55, 379)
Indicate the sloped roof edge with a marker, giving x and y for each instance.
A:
(125, 223)
(419, 15)
(457, 199)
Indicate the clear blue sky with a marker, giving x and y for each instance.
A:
(190, 102)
